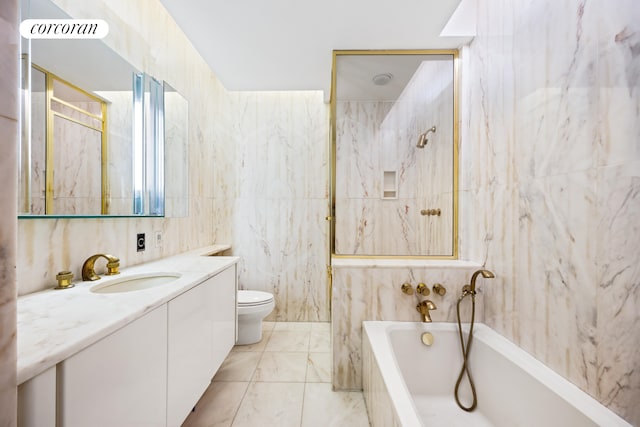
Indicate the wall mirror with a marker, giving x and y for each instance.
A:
(90, 145)
(176, 137)
(394, 154)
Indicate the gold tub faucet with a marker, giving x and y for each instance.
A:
(88, 270)
(423, 308)
(471, 288)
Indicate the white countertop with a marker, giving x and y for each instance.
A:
(56, 324)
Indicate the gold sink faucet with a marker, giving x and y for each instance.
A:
(424, 307)
(88, 271)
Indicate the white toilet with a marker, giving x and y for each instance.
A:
(253, 306)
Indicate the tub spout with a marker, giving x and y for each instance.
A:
(423, 308)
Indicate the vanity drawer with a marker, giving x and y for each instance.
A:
(120, 380)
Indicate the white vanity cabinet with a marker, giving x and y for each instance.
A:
(120, 380)
(37, 400)
(201, 333)
(149, 373)
(225, 316)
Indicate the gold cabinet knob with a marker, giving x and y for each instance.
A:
(64, 280)
(439, 289)
(422, 289)
(407, 289)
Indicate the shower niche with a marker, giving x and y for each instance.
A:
(394, 151)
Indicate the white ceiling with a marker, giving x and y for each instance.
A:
(288, 44)
(354, 77)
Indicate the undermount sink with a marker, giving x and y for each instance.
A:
(136, 282)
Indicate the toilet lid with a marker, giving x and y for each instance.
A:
(248, 298)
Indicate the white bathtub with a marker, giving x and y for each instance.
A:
(409, 384)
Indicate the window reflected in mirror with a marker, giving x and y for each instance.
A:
(68, 149)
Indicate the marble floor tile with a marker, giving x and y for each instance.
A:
(320, 341)
(288, 341)
(259, 346)
(263, 385)
(293, 326)
(271, 404)
(321, 326)
(238, 366)
(324, 407)
(319, 368)
(282, 367)
(218, 405)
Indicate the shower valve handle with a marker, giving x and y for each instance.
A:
(407, 289)
(439, 289)
(423, 290)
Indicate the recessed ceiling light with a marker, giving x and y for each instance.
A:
(382, 79)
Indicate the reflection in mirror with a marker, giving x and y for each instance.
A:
(176, 146)
(81, 123)
(395, 149)
(62, 114)
(61, 172)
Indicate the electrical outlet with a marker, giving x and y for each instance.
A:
(140, 242)
(158, 239)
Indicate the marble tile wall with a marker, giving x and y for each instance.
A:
(370, 290)
(9, 133)
(377, 136)
(280, 200)
(551, 185)
(145, 35)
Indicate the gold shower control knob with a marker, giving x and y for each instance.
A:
(407, 289)
(439, 289)
(422, 289)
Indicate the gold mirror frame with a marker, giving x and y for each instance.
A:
(331, 218)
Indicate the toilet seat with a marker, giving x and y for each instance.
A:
(248, 298)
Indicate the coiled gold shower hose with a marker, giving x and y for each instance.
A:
(465, 352)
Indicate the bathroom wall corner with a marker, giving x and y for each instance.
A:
(8, 208)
